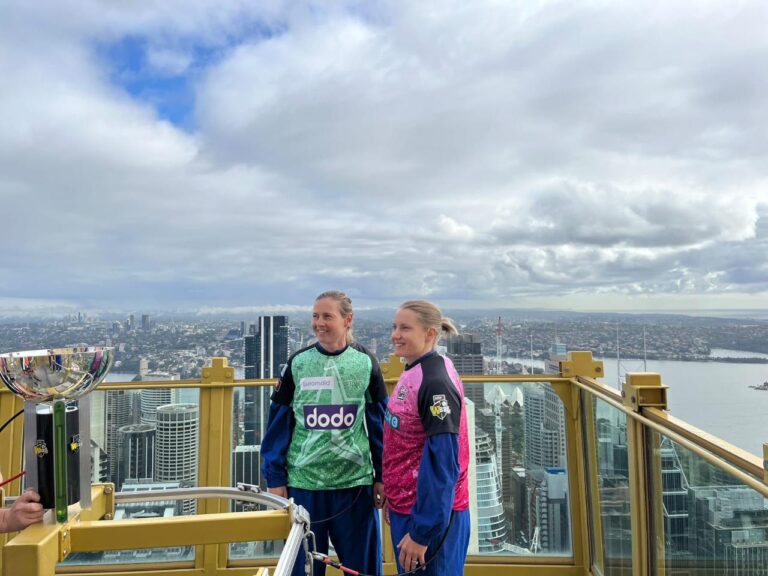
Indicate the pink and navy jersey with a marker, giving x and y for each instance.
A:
(427, 400)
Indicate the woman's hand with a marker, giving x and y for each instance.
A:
(279, 491)
(412, 554)
(26, 510)
(378, 495)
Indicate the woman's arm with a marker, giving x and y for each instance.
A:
(274, 446)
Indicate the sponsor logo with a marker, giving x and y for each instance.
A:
(392, 420)
(41, 448)
(440, 408)
(333, 417)
(317, 383)
(402, 392)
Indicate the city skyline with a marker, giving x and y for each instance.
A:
(200, 156)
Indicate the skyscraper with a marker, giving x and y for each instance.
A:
(492, 527)
(137, 460)
(176, 448)
(266, 352)
(118, 414)
(465, 352)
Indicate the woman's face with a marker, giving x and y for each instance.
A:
(410, 339)
(329, 325)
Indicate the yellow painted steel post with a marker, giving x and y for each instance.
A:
(641, 390)
(13, 450)
(391, 368)
(578, 363)
(216, 413)
(592, 496)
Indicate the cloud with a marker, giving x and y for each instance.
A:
(198, 155)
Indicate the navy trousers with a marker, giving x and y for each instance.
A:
(451, 554)
(351, 521)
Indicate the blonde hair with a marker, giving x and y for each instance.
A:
(430, 316)
(345, 306)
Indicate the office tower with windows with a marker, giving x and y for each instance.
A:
(176, 447)
(152, 398)
(145, 322)
(137, 460)
(544, 427)
(492, 527)
(266, 352)
(246, 469)
(465, 352)
(118, 405)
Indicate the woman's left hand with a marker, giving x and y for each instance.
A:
(412, 554)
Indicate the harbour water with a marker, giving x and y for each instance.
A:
(713, 396)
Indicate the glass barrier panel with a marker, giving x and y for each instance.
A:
(706, 522)
(518, 473)
(605, 436)
(144, 440)
(249, 422)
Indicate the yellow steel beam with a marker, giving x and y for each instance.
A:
(179, 531)
(35, 551)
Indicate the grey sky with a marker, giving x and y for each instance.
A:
(194, 155)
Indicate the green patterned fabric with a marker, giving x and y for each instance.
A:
(329, 447)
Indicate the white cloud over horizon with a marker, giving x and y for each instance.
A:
(208, 157)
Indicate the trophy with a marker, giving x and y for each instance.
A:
(54, 384)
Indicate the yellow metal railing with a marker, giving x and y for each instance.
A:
(213, 528)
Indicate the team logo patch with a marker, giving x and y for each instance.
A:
(402, 392)
(331, 417)
(392, 420)
(440, 408)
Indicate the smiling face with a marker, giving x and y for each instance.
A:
(409, 337)
(329, 325)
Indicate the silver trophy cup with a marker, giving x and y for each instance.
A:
(54, 384)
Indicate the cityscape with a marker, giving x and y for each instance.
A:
(147, 439)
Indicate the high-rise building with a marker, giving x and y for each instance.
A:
(491, 524)
(548, 514)
(118, 414)
(465, 352)
(266, 352)
(152, 398)
(729, 527)
(544, 427)
(145, 322)
(246, 469)
(557, 354)
(137, 461)
(176, 446)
